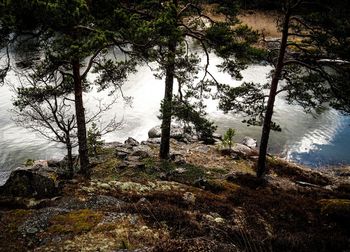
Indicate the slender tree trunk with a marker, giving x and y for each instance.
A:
(167, 102)
(80, 114)
(69, 158)
(261, 167)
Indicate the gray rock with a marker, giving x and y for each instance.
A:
(131, 141)
(31, 182)
(176, 132)
(155, 132)
(113, 144)
(122, 152)
(250, 142)
(244, 150)
(154, 140)
(142, 151)
(241, 150)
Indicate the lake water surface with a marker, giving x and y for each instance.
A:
(315, 141)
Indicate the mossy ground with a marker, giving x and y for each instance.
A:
(216, 204)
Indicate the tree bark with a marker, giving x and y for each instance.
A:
(69, 158)
(261, 167)
(167, 102)
(80, 115)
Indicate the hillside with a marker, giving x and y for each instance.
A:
(201, 200)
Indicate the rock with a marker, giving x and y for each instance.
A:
(243, 150)
(155, 140)
(155, 132)
(122, 152)
(113, 145)
(31, 182)
(250, 142)
(131, 141)
(132, 162)
(176, 132)
(142, 151)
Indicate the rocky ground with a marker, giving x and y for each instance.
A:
(203, 199)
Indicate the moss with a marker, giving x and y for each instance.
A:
(75, 222)
(29, 162)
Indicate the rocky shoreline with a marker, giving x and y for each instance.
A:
(205, 198)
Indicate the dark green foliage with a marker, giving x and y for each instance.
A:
(94, 140)
(194, 117)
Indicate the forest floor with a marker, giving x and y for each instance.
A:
(204, 201)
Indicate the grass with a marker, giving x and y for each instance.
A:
(75, 222)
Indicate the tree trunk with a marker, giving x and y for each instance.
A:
(261, 167)
(167, 102)
(69, 158)
(80, 114)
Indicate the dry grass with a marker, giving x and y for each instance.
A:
(265, 22)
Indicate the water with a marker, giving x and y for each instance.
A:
(308, 140)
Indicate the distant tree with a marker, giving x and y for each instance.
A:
(306, 60)
(228, 138)
(94, 140)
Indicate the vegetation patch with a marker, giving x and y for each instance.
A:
(75, 222)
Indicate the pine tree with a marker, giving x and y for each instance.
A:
(172, 27)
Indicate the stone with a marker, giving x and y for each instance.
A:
(244, 150)
(31, 182)
(155, 132)
(176, 132)
(113, 144)
(155, 140)
(131, 141)
(142, 151)
(250, 142)
(122, 152)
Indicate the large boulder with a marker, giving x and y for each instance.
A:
(243, 150)
(131, 142)
(250, 142)
(176, 132)
(36, 181)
